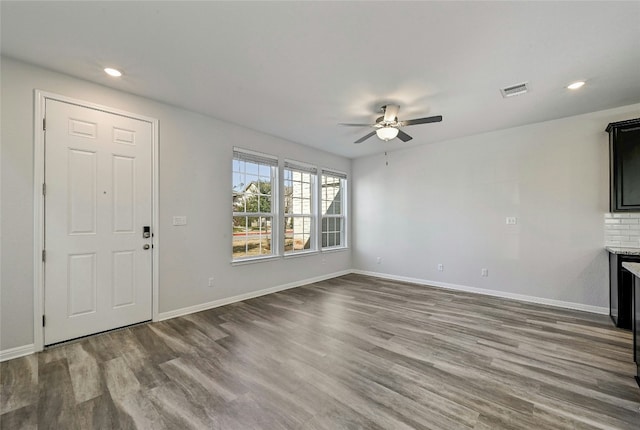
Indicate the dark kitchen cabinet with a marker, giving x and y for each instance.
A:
(636, 326)
(621, 290)
(624, 156)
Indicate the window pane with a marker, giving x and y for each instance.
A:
(297, 233)
(264, 171)
(264, 204)
(258, 236)
(238, 202)
(264, 186)
(251, 168)
(239, 236)
(336, 207)
(239, 247)
(238, 184)
(288, 234)
(250, 202)
(251, 182)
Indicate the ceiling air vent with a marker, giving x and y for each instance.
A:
(515, 90)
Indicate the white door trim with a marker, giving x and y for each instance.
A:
(40, 98)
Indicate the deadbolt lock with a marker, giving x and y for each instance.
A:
(146, 232)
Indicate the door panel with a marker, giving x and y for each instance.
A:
(124, 195)
(124, 278)
(81, 284)
(82, 192)
(98, 173)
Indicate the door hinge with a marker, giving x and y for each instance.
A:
(44, 256)
(44, 321)
(44, 124)
(44, 189)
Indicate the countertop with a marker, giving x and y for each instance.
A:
(622, 251)
(632, 267)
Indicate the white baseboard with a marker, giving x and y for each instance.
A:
(19, 351)
(228, 300)
(494, 293)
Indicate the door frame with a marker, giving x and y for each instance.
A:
(40, 98)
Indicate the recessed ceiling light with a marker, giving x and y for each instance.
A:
(113, 72)
(575, 85)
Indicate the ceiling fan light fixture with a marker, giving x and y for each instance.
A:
(387, 133)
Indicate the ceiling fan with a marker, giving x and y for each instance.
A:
(387, 127)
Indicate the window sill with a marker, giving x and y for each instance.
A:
(254, 260)
(301, 254)
(337, 249)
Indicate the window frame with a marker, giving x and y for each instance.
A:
(300, 167)
(261, 159)
(343, 216)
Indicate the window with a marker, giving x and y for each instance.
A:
(254, 204)
(333, 209)
(299, 211)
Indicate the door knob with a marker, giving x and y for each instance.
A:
(146, 246)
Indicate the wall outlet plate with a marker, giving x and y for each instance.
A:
(180, 220)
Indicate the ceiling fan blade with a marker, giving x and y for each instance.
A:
(404, 136)
(391, 113)
(356, 125)
(426, 120)
(362, 139)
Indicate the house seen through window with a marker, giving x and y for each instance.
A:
(333, 210)
(299, 210)
(254, 202)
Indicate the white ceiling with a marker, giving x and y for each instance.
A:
(296, 69)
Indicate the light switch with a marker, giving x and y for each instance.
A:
(511, 220)
(180, 220)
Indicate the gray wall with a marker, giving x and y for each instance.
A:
(447, 203)
(195, 180)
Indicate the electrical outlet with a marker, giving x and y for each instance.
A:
(484, 273)
(379, 260)
(440, 267)
(180, 220)
(210, 282)
(511, 220)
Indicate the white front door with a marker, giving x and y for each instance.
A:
(98, 265)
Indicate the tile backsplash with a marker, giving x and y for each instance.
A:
(622, 229)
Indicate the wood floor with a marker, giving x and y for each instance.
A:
(351, 352)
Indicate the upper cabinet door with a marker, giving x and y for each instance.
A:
(624, 152)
